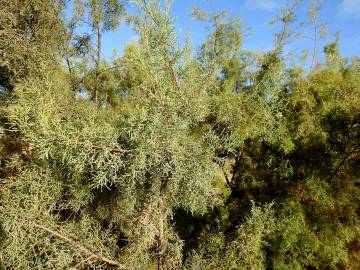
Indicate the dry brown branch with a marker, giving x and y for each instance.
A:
(81, 247)
(114, 150)
(172, 69)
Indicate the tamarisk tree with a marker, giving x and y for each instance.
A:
(220, 158)
(101, 16)
(99, 187)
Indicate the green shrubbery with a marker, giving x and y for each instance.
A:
(172, 159)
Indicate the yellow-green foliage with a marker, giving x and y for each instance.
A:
(244, 250)
(218, 158)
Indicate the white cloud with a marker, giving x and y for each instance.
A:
(264, 5)
(350, 7)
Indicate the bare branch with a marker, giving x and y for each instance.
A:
(115, 150)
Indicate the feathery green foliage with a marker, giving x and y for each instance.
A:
(218, 158)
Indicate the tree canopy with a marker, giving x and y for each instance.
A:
(170, 157)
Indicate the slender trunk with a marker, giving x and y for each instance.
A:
(97, 72)
(71, 75)
(162, 220)
(314, 48)
(160, 240)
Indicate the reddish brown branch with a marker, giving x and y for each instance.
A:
(115, 150)
(171, 65)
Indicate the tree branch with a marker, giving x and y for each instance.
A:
(172, 69)
(110, 68)
(115, 150)
(81, 247)
(236, 165)
(343, 161)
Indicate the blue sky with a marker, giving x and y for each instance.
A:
(342, 15)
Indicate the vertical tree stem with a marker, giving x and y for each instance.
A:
(97, 72)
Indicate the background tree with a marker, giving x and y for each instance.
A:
(29, 38)
(102, 16)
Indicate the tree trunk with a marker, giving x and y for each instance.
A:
(161, 239)
(97, 72)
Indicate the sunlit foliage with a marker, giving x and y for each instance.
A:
(213, 158)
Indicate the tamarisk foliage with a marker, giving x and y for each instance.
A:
(218, 158)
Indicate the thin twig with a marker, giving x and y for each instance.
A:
(111, 150)
(84, 261)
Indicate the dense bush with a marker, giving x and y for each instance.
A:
(168, 158)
